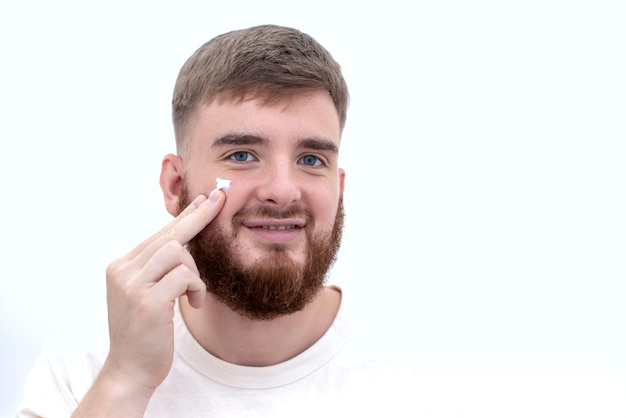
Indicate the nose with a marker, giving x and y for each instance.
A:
(279, 186)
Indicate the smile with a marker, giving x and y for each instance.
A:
(276, 231)
(278, 228)
(275, 224)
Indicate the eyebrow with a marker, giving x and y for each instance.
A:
(318, 144)
(239, 139)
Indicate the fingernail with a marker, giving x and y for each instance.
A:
(214, 196)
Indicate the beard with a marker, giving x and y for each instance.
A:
(275, 285)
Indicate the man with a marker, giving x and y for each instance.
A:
(225, 311)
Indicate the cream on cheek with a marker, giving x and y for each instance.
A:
(222, 184)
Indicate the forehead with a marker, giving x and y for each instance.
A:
(293, 117)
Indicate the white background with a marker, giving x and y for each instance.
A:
(485, 150)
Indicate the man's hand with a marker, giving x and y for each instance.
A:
(142, 288)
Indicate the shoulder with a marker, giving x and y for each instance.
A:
(58, 381)
(64, 372)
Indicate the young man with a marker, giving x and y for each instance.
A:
(225, 311)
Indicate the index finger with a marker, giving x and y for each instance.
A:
(197, 215)
(185, 227)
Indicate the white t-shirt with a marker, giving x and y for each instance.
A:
(335, 377)
(331, 378)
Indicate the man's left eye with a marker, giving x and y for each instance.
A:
(311, 160)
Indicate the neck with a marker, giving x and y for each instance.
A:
(248, 342)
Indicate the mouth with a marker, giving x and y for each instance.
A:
(275, 224)
(276, 230)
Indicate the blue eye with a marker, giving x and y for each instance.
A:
(311, 161)
(241, 156)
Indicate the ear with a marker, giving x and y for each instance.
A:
(171, 180)
(342, 177)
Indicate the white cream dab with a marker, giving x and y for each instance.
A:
(223, 184)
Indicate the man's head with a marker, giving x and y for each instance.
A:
(265, 108)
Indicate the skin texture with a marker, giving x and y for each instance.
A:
(279, 155)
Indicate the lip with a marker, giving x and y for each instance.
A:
(277, 231)
(275, 223)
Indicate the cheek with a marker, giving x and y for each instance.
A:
(207, 184)
(325, 210)
(235, 201)
(197, 186)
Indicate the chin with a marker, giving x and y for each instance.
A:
(272, 251)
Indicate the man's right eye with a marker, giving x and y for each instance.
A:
(241, 156)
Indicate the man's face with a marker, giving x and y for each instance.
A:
(269, 249)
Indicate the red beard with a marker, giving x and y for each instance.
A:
(271, 287)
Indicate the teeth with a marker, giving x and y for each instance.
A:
(278, 228)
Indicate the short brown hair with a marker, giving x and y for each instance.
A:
(267, 61)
